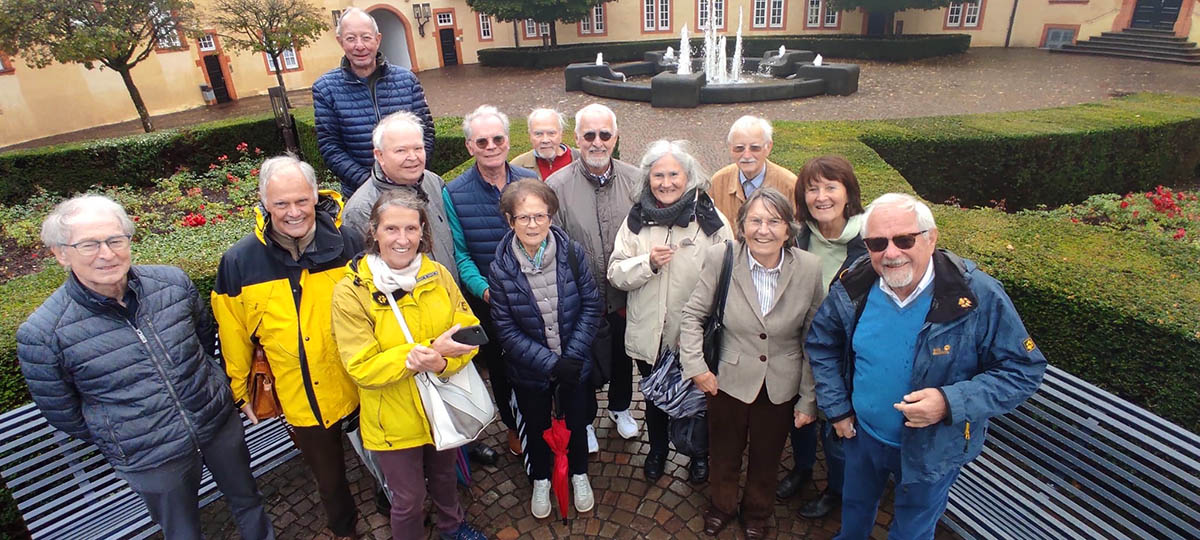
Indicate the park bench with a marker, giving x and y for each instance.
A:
(64, 488)
(1074, 462)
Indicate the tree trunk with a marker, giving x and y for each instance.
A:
(516, 34)
(553, 33)
(279, 77)
(136, 96)
(889, 24)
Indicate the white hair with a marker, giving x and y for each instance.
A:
(480, 112)
(748, 123)
(356, 11)
(681, 151)
(272, 166)
(394, 121)
(595, 108)
(562, 120)
(905, 202)
(56, 228)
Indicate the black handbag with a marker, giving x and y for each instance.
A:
(714, 325)
(689, 435)
(602, 344)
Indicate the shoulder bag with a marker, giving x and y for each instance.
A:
(263, 399)
(714, 325)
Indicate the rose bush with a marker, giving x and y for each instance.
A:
(1161, 212)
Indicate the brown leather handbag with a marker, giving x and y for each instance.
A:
(263, 399)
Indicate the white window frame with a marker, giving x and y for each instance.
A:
(543, 29)
(831, 16)
(775, 15)
(758, 14)
(1056, 44)
(664, 14)
(971, 13)
(585, 25)
(290, 61)
(206, 43)
(717, 7)
(447, 21)
(598, 19)
(954, 15)
(169, 41)
(531, 29)
(649, 15)
(813, 16)
(656, 15)
(485, 26)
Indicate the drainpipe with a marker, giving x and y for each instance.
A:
(1012, 17)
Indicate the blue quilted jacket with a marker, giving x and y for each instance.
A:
(519, 320)
(144, 393)
(347, 109)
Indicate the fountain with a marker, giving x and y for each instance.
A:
(685, 53)
(599, 59)
(735, 69)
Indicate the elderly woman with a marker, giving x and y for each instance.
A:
(119, 356)
(764, 383)
(830, 211)
(395, 275)
(547, 308)
(657, 258)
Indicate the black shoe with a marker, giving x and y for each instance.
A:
(382, 505)
(482, 454)
(820, 506)
(698, 470)
(653, 468)
(791, 484)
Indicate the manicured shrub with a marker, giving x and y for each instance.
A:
(448, 148)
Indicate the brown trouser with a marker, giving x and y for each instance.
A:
(731, 424)
(323, 452)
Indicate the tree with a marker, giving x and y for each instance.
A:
(542, 11)
(268, 26)
(117, 34)
(888, 7)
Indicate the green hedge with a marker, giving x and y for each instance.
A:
(894, 48)
(1049, 159)
(449, 148)
(135, 160)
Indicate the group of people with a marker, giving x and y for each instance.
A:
(578, 267)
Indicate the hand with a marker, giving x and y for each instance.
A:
(422, 358)
(567, 370)
(802, 419)
(248, 410)
(446, 346)
(845, 428)
(660, 256)
(487, 295)
(922, 408)
(706, 382)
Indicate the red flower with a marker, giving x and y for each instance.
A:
(222, 157)
(193, 220)
(212, 166)
(254, 172)
(242, 147)
(1124, 204)
(1135, 213)
(257, 151)
(1074, 220)
(1179, 234)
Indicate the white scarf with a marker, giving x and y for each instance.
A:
(389, 280)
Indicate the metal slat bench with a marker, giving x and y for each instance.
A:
(1075, 461)
(65, 489)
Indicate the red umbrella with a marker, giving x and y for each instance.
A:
(558, 437)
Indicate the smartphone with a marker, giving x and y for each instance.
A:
(471, 335)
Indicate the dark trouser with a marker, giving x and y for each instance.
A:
(731, 425)
(171, 490)
(918, 505)
(322, 451)
(534, 411)
(656, 419)
(804, 452)
(492, 355)
(407, 472)
(620, 387)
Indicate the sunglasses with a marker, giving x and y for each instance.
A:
(591, 135)
(902, 241)
(497, 140)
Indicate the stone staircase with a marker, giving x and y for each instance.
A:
(1143, 43)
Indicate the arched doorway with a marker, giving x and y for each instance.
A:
(395, 45)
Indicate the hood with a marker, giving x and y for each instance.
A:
(360, 275)
(329, 208)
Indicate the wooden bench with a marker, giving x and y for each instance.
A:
(1075, 461)
(64, 488)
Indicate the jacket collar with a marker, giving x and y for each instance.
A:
(952, 295)
(361, 276)
(704, 214)
(326, 246)
(380, 66)
(96, 302)
(383, 183)
(735, 187)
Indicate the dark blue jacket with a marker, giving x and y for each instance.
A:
(347, 110)
(973, 348)
(144, 393)
(519, 321)
(473, 209)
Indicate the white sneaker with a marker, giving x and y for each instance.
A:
(626, 425)
(584, 501)
(540, 505)
(593, 444)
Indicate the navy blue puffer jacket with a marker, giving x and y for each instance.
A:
(347, 110)
(519, 321)
(145, 394)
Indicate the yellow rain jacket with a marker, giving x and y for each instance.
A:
(263, 296)
(374, 349)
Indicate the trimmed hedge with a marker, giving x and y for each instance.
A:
(134, 160)
(449, 147)
(892, 48)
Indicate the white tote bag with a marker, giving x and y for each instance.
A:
(458, 407)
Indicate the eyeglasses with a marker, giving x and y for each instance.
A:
(497, 140)
(537, 219)
(88, 248)
(591, 135)
(755, 223)
(902, 241)
(756, 148)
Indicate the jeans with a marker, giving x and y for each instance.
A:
(804, 452)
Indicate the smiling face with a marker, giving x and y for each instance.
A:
(292, 202)
(765, 233)
(749, 149)
(360, 42)
(597, 153)
(545, 136)
(901, 269)
(488, 155)
(531, 222)
(668, 180)
(106, 270)
(398, 235)
(403, 155)
(826, 201)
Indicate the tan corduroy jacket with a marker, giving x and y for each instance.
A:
(726, 190)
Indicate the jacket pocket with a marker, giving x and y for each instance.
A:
(729, 356)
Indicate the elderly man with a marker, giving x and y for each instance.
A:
(473, 207)
(912, 354)
(549, 154)
(595, 194)
(120, 356)
(749, 143)
(400, 164)
(350, 99)
(273, 289)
